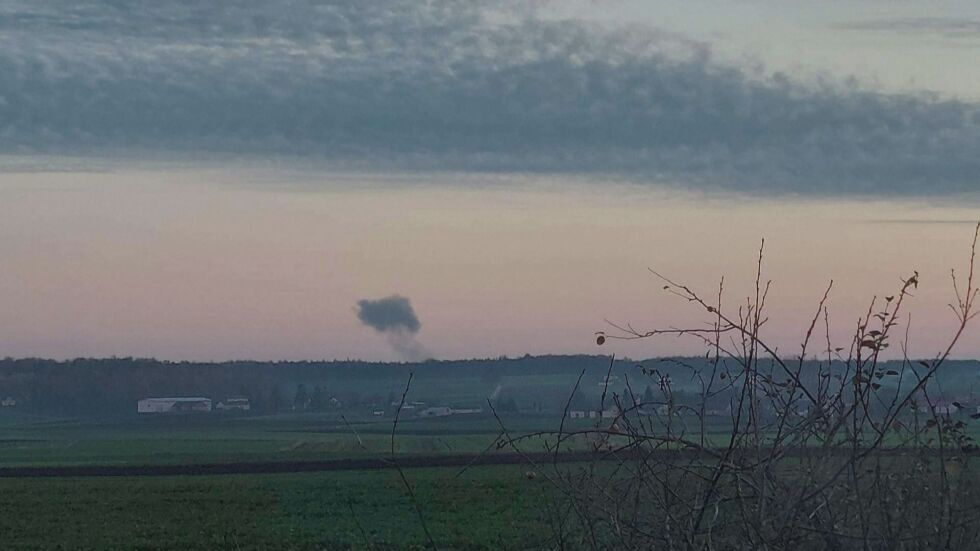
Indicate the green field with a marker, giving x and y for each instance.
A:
(487, 507)
(39, 441)
(474, 508)
(481, 508)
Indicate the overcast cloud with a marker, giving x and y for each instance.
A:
(455, 85)
(951, 27)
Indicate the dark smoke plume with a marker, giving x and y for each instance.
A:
(394, 317)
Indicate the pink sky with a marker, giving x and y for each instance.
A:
(213, 264)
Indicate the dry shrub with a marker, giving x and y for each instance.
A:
(841, 452)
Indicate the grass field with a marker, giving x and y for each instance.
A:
(482, 508)
(487, 507)
(477, 508)
(38, 441)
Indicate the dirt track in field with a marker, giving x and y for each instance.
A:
(269, 467)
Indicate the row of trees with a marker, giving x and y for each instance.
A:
(113, 385)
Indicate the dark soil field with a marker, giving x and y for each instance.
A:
(275, 467)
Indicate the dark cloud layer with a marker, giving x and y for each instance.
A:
(446, 85)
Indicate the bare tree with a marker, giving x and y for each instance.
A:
(838, 451)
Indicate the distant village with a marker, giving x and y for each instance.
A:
(526, 387)
(420, 409)
(191, 405)
(198, 404)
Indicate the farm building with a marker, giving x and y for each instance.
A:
(593, 414)
(8, 402)
(235, 403)
(610, 413)
(436, 411)
(173, 405)
(940, 407)
(608, 380)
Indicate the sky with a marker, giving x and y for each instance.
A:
(203, 182)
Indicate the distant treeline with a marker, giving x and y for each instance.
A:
(114, 385)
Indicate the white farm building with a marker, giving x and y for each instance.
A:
(173, 405)
(239, 403)
(437, 411)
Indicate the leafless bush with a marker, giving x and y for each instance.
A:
(845, 451)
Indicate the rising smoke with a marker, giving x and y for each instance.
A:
(394, 317)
